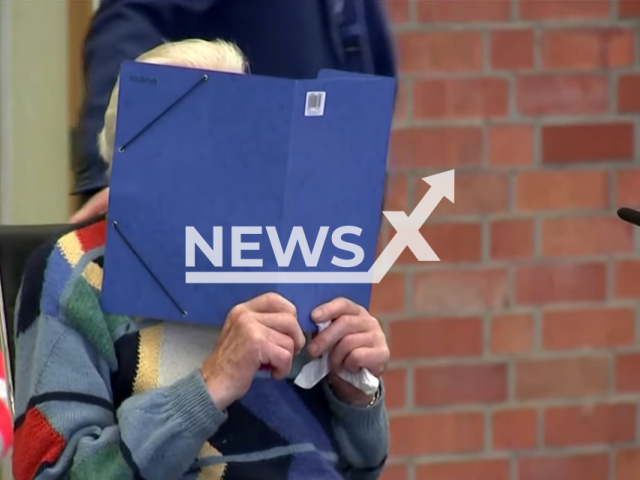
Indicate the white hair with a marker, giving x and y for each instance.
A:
(194, 53)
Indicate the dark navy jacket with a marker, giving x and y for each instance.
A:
(284, 38)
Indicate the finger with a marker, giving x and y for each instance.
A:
(330, 336)
(334, 309)
(279, 359)
(286, 324)
(347, 345)
(96, 205)
(271, 302)
(280, 339)
(373, 359)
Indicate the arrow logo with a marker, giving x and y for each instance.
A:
(408, 228)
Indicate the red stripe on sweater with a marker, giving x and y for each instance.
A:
(36, 442)
(93, 235)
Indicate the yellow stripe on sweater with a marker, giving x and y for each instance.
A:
(71, 248)
(148, 377)
(93, 274)
(148, 368)
(212, 472)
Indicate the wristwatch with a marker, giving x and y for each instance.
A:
(373, 401)
(376, 396)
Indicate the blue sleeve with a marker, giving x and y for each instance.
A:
(120, 30)
(362, 435)
(383, 46)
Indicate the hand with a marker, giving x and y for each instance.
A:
(262, 332)
(355, 341)
(97, 205)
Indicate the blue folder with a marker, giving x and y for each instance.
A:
(198, 150)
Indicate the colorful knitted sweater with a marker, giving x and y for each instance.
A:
(103, 396)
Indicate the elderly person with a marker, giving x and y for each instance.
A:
(102, 396)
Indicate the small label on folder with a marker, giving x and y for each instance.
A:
(314, 106)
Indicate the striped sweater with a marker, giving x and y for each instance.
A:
(102, 396)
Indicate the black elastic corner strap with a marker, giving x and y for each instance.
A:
(117, 228)
(202, 79)
(133, 249)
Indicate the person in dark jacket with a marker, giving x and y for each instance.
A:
(282, 38)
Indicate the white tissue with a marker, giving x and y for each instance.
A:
(317, 369)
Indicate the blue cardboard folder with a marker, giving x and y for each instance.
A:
(216, 175)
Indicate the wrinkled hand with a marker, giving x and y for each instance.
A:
(97, 205)
(262, 332)
(355, 341)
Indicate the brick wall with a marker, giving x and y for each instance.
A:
(517, 357)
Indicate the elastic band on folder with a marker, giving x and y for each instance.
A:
(203, 79)
(153, 275)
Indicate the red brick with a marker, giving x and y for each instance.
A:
(628, 9)
(587, 143)
(397, 11)
(388, 296)
(440, 52)
(585, 236)
(455, 289)
(566, 377)
(627, 187)
(437, 433)
(440, 11)
(564, 9)
(594, 327)
(512, 49)
(514, 429)
(396, 196)
(511, 333)
(452, 242)
(627, 463)
(475, 470)
(627, 376)
(395, 381)
(512, 239)
(587, 48)
(594, 466)
(581, 425)
(395, 472)
(460, 384)
(461, 98)
(562, 94)
(510, 145)
(540, 284)
(436, 147)
(626, 275)
(562, 190)
(437, 337)
(476, 193)
(628, 93)
(401, 110)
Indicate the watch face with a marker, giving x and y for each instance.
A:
(375, 398)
